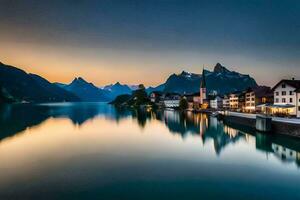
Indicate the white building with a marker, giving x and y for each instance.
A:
(171, 103)
(286, 98)
(171, 100)
(216, 103)
(298, 102)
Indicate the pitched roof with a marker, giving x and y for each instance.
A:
(261, 91)
(293, 83)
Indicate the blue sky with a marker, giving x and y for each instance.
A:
(145, 41)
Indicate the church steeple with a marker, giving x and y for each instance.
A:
(203, 88)
(203, 82)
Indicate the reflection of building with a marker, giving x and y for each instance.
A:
(286, 154)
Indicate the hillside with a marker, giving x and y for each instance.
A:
(31, 88)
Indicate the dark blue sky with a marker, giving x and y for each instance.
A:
(124, 40)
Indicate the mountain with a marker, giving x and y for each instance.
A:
(158, 88)
(133, 87)
(220, 79)
(87, 92)
(117, 89)
(29, 87)
(5, 97)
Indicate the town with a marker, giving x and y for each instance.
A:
(283, 100)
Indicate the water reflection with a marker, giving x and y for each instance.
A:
(17, 118)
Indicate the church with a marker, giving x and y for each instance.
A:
(204, 103)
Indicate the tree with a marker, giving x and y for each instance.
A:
(140, 96)
(183, 104)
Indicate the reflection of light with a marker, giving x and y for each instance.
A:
(203, 123)
(230, 131)
(248, 138)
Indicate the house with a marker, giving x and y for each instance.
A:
(193, 101)
(216, 102)
(155, 96)
(234, 100)
(256, 97)
(242, 101)
(286, 98)
(226, 102)
(298, 102)
(171, 100)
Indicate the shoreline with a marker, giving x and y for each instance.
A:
(282, 126)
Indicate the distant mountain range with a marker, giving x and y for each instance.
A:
(85, 91)
(90, 93)
(220, 80)
(17, 85)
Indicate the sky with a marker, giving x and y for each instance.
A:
(144, 41)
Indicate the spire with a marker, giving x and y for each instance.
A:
(203, 82)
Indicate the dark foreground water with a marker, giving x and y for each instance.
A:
(93, 151)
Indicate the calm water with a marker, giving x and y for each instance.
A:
(93, 151)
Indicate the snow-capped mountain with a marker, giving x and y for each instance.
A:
(117, 89)
(220, 79)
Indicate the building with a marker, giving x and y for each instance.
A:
(286, 98)
(226, 102)
(242, 101)
(155, 96)
(256, 97)
(193, 101)
(203, 97)
(298, 102)
(234, 100)
(171, 100)
(216, 102)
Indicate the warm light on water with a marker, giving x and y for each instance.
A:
(91, 150)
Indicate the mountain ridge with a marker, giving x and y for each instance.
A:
(23, 86)
(220, 80)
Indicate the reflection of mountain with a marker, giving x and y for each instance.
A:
(207, 128)
(19, 117)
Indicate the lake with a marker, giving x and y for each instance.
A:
(95, 151)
